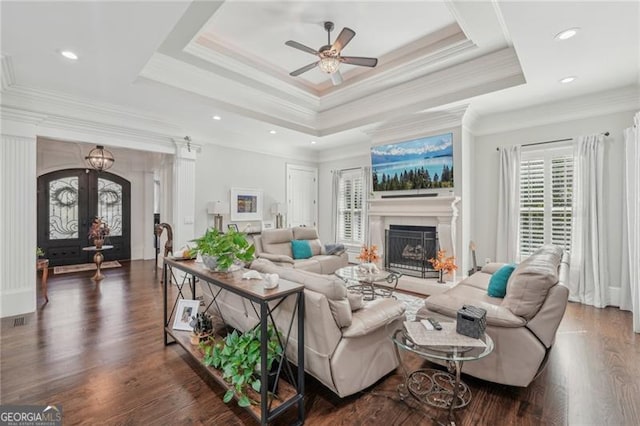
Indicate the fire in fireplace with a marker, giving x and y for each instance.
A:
(409, 248)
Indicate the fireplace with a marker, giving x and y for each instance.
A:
(409, 248)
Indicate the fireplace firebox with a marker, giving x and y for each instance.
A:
(409, 248)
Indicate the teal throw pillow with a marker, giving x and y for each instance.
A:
(301, 249)
(498, 281)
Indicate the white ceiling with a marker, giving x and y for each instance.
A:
(183, 62)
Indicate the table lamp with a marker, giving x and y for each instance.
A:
(278, 209)
(217, 209)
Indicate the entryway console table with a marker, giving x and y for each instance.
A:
(289, 394)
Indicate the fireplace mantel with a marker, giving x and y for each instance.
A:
(415, 207)
(440, 212)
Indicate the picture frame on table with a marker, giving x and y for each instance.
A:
(246, 204)
(267, 224)
(233, 227)
(185, 311)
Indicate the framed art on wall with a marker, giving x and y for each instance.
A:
(246, 204)
(186, 310)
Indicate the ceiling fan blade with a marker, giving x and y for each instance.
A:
(336, 78)
(363, 62)
(303, 69)
(343, 39)
(302, 47)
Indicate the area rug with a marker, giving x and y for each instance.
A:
(85, 267)
(411, 303)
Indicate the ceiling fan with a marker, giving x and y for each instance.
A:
(329, 55)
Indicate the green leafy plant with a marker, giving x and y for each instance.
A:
(227, 247)
(238, 358)
(39, 252)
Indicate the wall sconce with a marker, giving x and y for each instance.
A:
(278, 209)
(99, 158)
(217, 209)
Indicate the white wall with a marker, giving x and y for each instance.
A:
(485, 179)
(219, 168)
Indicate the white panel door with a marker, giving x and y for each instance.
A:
(302, 196)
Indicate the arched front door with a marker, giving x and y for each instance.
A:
(67, 202)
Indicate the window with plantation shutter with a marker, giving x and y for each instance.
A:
(351, 207)
(546, 179)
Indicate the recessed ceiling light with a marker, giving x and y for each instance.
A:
(569, 79)
(273, 132)
(567, 34)
(217, 117)
(69, 55)
(313, 142)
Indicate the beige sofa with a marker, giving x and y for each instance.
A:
(275, 245)
(522, 325)
(347, 345)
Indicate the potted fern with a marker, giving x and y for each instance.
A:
(220, 252)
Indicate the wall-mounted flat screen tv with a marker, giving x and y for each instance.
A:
(423, 163)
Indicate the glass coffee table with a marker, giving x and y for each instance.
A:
(437, 388)
(369, 283)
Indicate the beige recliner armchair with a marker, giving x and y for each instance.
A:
(523, 325)
(346, 342)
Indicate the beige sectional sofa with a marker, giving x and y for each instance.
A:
(523, 324)
(347, 346)
(275, 245)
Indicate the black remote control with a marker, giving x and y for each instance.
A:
(434, 322)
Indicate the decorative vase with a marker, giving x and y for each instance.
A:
(98, 242)
(441, 276)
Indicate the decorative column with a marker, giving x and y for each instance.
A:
(18, 226)
(184, 193)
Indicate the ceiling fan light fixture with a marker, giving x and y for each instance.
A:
(100, 159)
(329, 64)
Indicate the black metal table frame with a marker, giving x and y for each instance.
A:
(266, 314)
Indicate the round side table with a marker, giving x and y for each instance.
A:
(434, 387)
(97, 259)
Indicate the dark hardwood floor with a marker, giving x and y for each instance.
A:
(97, 349)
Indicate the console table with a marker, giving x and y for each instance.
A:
(289, 395)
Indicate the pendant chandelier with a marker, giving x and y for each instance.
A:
(100, 159)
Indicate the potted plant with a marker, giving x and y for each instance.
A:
(443, 264)
(39, 252)
(202, 327)
(98, 231)
(238, 358)
(221, 251)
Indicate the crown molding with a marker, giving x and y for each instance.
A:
(258, 74)
(419, 124)
(498, 70)
(394, 73)
(625, 98)
(58, 103)
(266, 107)
(8, 76)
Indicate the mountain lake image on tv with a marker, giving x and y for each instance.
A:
(416, 164)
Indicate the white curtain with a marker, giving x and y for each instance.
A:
(630, 261)
(588, 283)
(335, 183)
(508, 205)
